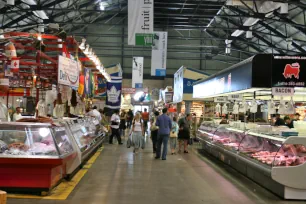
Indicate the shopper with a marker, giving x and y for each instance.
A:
(278, 120)
(154, 130)
(164, 126)
(17, 115)
(173, 135)
(122, 125)
(145, 117)
(137, 132)
(115, 120)
(184, 132)
(130, 117)
(297, 117)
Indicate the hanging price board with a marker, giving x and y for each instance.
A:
(235, 97)
(282, 91)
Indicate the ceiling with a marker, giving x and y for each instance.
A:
(272, 31)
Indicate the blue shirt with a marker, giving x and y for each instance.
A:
(164, 123)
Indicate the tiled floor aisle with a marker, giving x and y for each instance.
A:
(120, 177)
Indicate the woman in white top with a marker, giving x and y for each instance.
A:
(138, 133)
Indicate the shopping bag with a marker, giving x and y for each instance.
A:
(143, 143)
(129, 142)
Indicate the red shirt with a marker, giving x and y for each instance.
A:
(145, 116)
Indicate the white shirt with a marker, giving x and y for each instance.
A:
(137, 126)
(115, 118)
(96, 114)
(17, 116)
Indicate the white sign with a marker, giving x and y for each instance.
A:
(235, 97)
(159, 54)
(68, 72)
(178, 86)
(137, 74)
(140, 18)
(282, 91)
(220, 99)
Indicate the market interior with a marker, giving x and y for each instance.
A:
(157, 101)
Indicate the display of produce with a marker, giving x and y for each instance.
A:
(275, 158)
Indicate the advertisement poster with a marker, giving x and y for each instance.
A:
(159, 54)
(100, 86)
(68, 72)
(113, 95)
(140, 18)
(87, 73)
(178, 86)
(288, 71)
(137, 74)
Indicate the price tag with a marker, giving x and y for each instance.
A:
(235, 97)
(282, 91)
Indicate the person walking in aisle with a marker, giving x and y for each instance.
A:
(130, 117)
(145, 118)
(115, 120)
(173, 135)
(164, 126)
(137, 132)
(184, 132)
(122, 125)
(154, 130)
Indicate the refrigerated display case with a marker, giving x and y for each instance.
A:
(88, 134)
(275, 162)
(33, 156)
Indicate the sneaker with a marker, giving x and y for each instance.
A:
(157, 157)
(163, 159)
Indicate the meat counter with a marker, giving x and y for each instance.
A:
(33, 156)
(88, 134)
(274, 162)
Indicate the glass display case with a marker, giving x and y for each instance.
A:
(33, 140)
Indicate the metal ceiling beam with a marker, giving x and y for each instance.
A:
(270, 28)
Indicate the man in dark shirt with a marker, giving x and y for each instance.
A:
(288, 121)
(279, 121)
(164, 124)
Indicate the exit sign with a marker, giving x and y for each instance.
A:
(144, 39)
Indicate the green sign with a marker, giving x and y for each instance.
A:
(144, 39)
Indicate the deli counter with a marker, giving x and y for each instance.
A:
(35, 157)
(259, 152)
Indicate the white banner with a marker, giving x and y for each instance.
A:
(137, 74)
(140, 18)
(68, 72)
(159, 54)
(282, 91)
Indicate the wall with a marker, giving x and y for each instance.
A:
(147, 83)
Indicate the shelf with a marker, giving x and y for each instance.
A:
(276, 138)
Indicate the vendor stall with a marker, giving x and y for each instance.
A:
(257, 88)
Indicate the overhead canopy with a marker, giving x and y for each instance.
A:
(256, 73)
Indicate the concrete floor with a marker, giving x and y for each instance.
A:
(121, 177)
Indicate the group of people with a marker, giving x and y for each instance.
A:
(287, 121)
(163, 129)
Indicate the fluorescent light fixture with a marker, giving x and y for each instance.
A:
(41, 14)
(237, 33)
(102, 5)
(41, 28)
(10, 2)
(60, 45)
(227, 50)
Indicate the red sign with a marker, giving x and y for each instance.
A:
(128, 90)
(292, 70)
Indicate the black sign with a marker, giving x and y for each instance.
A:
(288, 71)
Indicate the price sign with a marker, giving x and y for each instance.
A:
(220, 99)
(235, 97)
(282, 91)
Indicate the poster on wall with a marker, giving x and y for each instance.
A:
(87, 73)
(137, 74)
(159, 54)
(140, 18)
(68, 72)
(288, 71)
(113, 98)
(100, 86)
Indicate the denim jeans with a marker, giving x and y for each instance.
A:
(162, 140)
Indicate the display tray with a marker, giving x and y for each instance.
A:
(252, 169)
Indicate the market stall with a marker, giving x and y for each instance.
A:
(258, 88)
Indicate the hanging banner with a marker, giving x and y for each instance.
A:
(87, 81)
(159, 54)
(113, 98)
(137, 74)
(140, 18)
(100, 86)
(68, 72)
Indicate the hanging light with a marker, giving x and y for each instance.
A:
(228, 46)
(82, 45)
(249, 33)
(39, 37)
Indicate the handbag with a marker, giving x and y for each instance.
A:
(173, 134)
(129, 142)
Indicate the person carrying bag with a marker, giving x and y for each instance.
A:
(173, 135)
